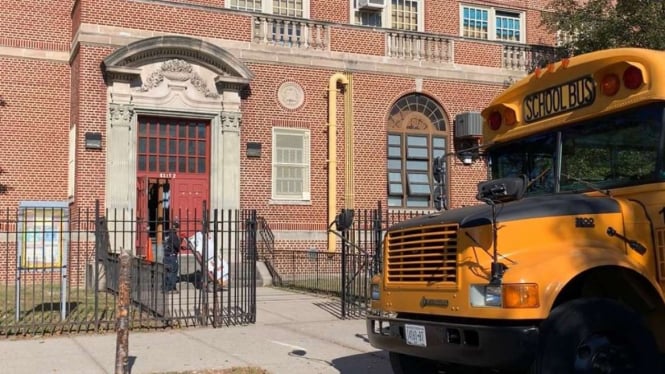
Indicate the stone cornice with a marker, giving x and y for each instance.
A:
(110, 36)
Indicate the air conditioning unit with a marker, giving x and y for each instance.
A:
(371, 4)
(468, 125)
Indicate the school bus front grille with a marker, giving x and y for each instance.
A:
(422, 254)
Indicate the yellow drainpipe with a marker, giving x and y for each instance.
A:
(332, 151)
(349, 188)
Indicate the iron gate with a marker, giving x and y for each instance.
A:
(77, 290)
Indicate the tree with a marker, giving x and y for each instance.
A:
(600, 24)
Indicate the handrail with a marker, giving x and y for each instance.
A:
(266, 244)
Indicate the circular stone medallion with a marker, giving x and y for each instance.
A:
(291, 95)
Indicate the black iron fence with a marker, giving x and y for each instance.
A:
(59, 269)
(346, 273)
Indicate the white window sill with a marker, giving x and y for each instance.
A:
(289, 202)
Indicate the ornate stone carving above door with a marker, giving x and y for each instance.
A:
(177, 70)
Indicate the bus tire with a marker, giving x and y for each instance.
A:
(405, 364)
(586, 334)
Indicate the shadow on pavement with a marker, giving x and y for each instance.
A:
(365, 363)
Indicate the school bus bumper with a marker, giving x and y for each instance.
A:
(487, 346)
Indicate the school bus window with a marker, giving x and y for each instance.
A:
(610, 152)
(533, 157)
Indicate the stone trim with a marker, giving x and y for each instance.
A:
(179, 48)
(254, 53)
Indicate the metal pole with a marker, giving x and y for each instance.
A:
(122, 312)
(344, 238)
(95, 262)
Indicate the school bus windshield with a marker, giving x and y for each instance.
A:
(617, 150)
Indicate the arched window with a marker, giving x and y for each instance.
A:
(416, 135)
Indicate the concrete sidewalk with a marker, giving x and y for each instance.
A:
(294, 334)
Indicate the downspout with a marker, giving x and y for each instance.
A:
(349, 188)
(332, 151)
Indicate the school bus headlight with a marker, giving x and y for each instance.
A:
(511, 295)
(483, 295)
(493, 295)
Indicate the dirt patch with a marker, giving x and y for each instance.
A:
(236, 370)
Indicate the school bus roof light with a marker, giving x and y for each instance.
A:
(509, 117)
(495, 120)
(632, 78)
(610, 84)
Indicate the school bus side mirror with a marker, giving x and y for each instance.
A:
(502, 190)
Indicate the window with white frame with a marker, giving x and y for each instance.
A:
(396, 14)
(367, 16)
(290, 8)
(492, 24)
(248, 5)
(404, 15)
(290, 164)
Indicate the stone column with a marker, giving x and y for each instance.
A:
(120, 158)
(225, 173)
(121, 172)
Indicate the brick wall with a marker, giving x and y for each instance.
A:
(92, 115)
(358, 40)
(442, 17)
(331, 11)
(373, 96)
(37, 23)
(205, 22)
(35, 128)
(478, 53)
(44, 97)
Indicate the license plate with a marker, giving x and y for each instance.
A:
(415, 335)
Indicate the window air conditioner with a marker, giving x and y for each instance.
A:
(371, 4)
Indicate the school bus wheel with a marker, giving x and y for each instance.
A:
(595, 335)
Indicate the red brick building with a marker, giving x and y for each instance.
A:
(230, 100)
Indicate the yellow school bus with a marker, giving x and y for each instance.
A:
(560, 267)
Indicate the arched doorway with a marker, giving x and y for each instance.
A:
(174, 126)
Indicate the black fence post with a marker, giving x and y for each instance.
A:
(345, 236)
(252, 231)
(378, 240)
(205, 256)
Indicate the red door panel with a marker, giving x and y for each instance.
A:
(174, 153)
(189, 195)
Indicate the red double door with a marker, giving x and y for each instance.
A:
(173, 178)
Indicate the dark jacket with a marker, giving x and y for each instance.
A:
(171, 243)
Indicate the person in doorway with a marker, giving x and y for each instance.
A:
(171, 250)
